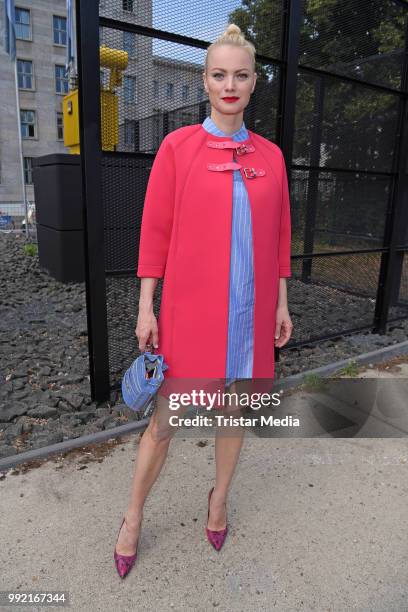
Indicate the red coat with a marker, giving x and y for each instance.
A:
(186, 237)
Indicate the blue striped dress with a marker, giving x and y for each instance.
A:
(241, 289)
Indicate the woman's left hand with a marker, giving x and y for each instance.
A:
(283, 330)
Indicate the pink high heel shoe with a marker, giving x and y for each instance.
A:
(216, 538)
(124, 563)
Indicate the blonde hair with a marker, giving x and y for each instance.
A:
(232, 36)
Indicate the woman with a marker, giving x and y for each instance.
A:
(216, 226)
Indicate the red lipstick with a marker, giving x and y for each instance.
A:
(230, 99)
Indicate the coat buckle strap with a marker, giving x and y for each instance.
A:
(225, 166)
(222, 144)
(231, 144)
(244, 148)
(252, 173)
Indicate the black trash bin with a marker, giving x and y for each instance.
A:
(58, 205)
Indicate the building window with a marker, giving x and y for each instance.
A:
(129, 43)
(25, 74)
(60, 126)
(200, 93)
(156, 88)
(59, 25)
(185, 93)
(129, 86)
(130, 126)
(61, 81)
(28, 170)
(170, 90)
(127, 5)
(28, 127)
(23, 25)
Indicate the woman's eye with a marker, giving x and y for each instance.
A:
(217, 74)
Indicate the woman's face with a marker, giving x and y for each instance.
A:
(229, 75)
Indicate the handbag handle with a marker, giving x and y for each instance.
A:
(161, 365)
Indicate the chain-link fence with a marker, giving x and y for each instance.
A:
(331, 92)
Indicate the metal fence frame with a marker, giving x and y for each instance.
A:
(392, 253)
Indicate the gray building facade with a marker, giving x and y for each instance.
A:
(152, 85)
(40, 56)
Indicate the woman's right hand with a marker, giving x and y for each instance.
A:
(146, 330)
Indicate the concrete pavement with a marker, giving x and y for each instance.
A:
(315, 524)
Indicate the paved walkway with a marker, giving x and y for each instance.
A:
(316, 524)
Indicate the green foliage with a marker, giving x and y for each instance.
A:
(356, 125)
(313, 382)
(346, 37)
(350, 370)
(30, 249)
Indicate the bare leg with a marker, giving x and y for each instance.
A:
(228, 445)
(151, 456)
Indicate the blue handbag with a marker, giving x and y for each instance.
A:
(142, 380)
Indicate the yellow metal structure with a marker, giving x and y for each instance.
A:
(117, 61)
(71, 121)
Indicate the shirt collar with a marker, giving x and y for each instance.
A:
(209, 125)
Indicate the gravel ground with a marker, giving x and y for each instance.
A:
(45, 392)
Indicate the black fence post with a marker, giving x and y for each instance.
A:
(290, 52)
(396, 224)
(87, 22)
(313, 186)
(165, 123)
(292, 18)
(136, 136)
